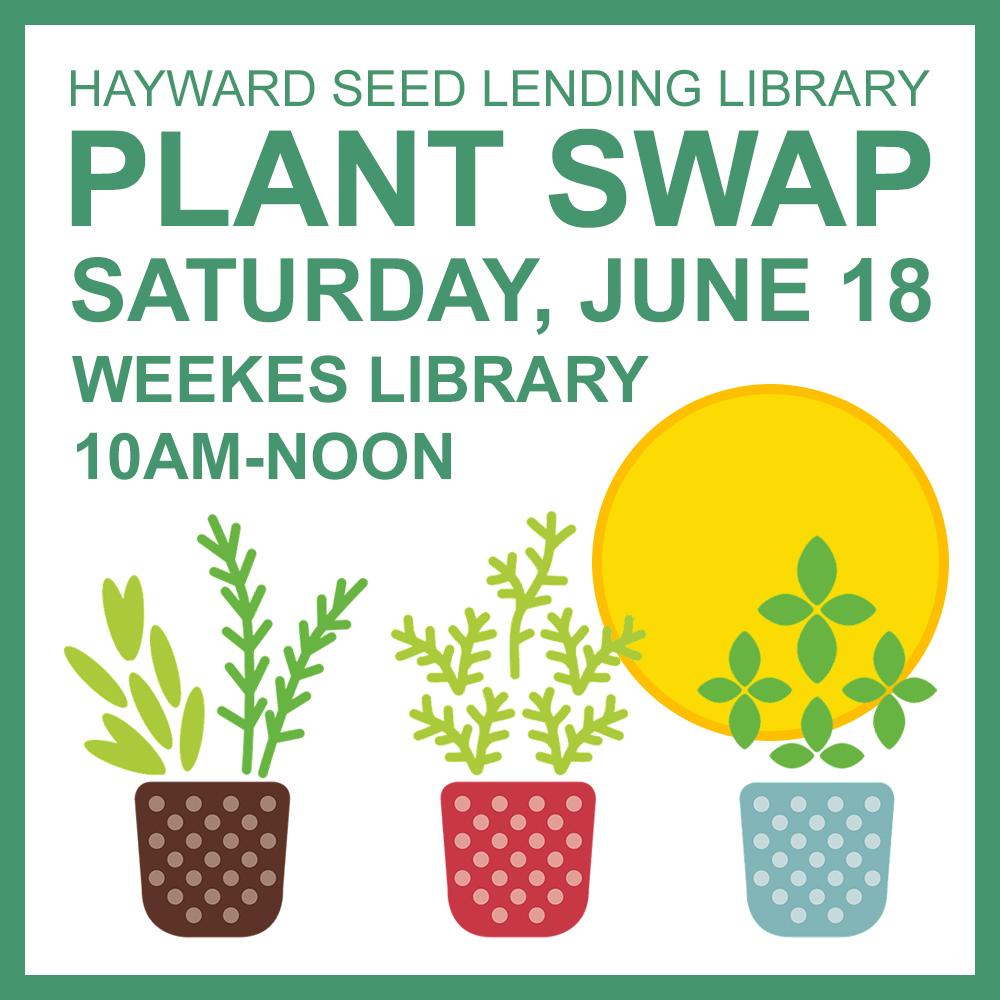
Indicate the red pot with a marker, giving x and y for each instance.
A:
(517, 855)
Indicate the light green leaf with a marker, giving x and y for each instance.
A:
(165, 666)
(817, 570)
(817, 648)
(95, 677)
(124, 615)
(864, 689)
(719, 690)
(744, 658)
(129, 749)
(744, 721)
(769, 689)
(192, 728)
(817, 724)
(848, 609)
(118, 756)
(842, 755)
(785, 609)
(889, 721)
(889, 658)
(914, 689)
(150, 710)
(791, 755)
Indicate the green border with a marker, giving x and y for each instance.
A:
(15, 14)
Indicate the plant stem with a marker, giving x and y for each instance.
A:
(249, 654)
(235, 577)
(248, 702)
(285, 700)
(517, 636)
(267, 756)
(514, 653)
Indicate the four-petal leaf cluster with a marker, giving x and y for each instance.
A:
(744, 690)
(817, 644)
(815, 609)
(889, 719)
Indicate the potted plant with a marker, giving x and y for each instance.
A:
(817, 854)
(211, 853)
(518, 853)
(802, 542)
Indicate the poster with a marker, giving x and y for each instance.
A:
(499, 499)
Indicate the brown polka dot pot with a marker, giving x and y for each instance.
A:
(212, 855)
(517, 855)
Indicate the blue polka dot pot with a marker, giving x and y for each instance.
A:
(817, 856)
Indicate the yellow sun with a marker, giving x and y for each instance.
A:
(706, 520)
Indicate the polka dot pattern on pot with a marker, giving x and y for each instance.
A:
(518, 855)
(816, 856)
(212, 855)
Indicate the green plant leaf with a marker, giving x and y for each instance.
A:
(785, 609)
(769, 690)
(582, 671)
(848, 609)
(123, 613)
(842, 755)
(719, 690)
(817, 570)
(744, 721)
(889, 721)
(192, 728)
(165, 666)
(914, 689)
(150, 710)
(485, 721)
(118, 756)
(889, 658)
(864, 689)
(817, 648)
(791, 755)
(95, 677)
(744, 658)
(817, 724)
(129, 749)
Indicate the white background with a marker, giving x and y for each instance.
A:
(365, 888)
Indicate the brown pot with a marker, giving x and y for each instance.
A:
(212, 855)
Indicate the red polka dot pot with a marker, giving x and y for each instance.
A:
(212, 855)
(517, 855)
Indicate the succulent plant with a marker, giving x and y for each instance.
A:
(127, 747)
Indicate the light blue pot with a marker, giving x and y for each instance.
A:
(816, 856)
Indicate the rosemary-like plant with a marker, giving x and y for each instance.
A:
(300, 660)
(301, 666)
(234, 573)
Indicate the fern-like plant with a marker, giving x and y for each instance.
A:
(472, 730)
